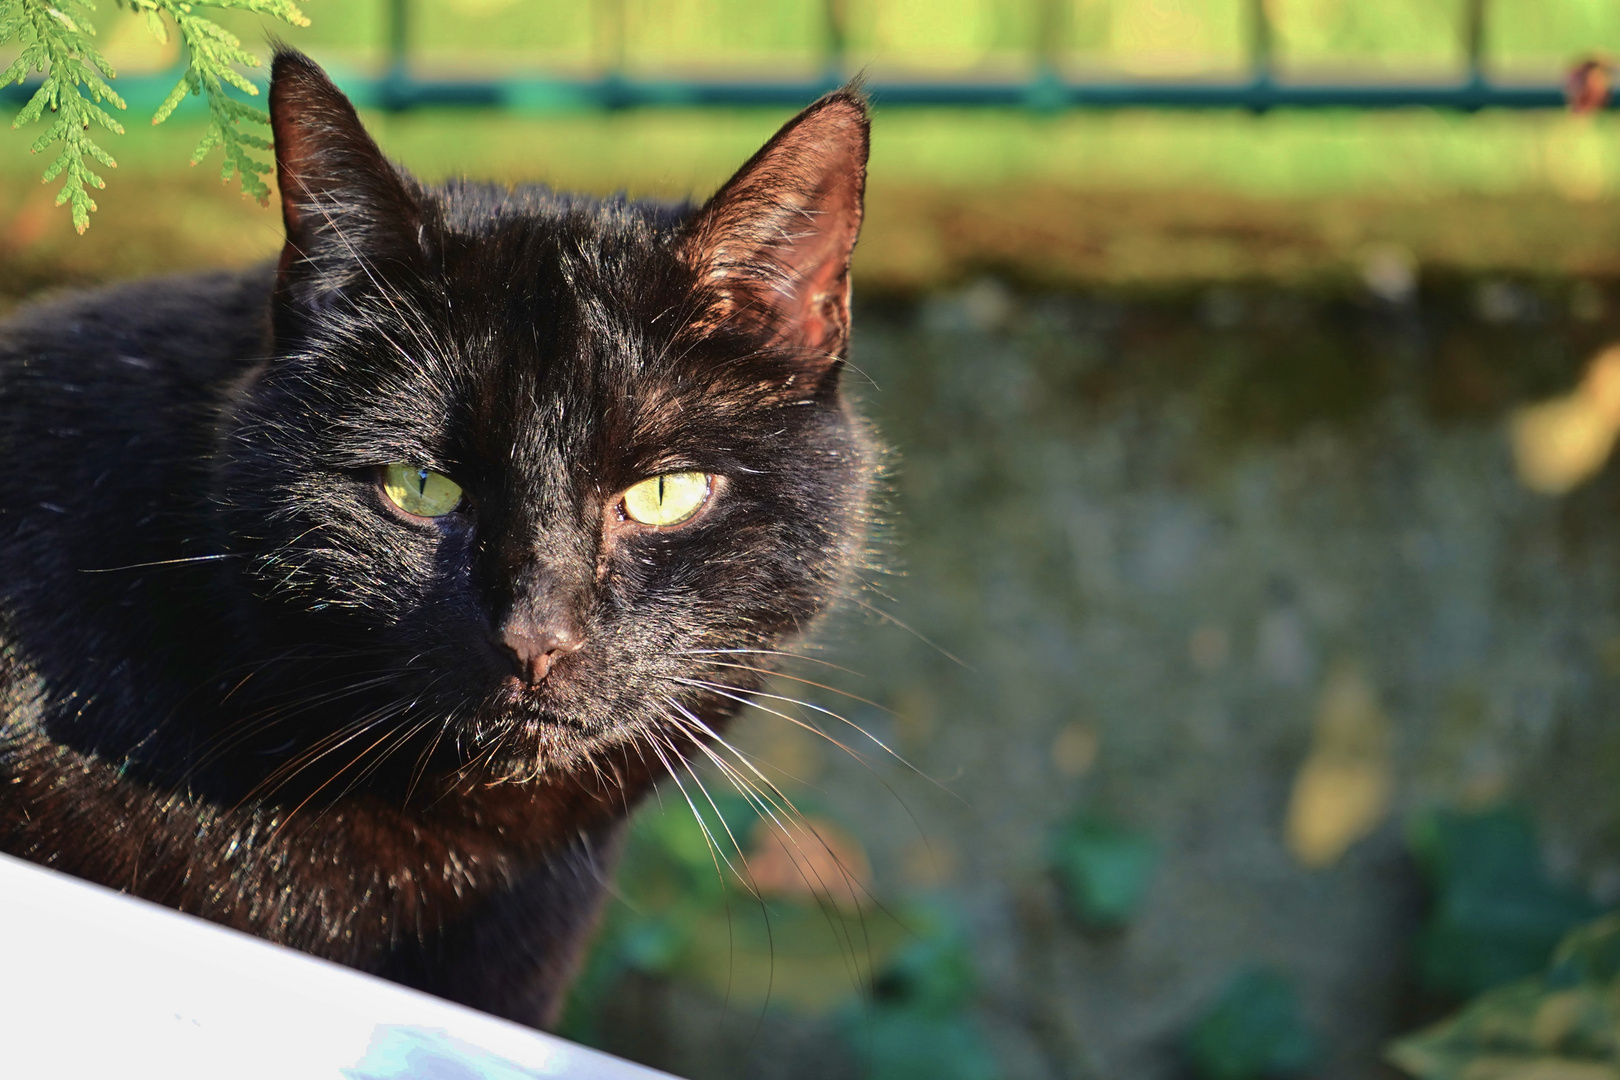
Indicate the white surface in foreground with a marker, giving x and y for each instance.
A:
(96, 984)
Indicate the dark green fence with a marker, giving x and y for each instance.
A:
(1043, 89)
(1041, 83)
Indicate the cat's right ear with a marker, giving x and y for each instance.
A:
(349, 213)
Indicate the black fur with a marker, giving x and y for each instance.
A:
(237, 682)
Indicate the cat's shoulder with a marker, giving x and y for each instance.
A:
(185, 325)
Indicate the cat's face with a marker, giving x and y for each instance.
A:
(533, 462)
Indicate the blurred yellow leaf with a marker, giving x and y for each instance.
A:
(1516, 1068)
(1558, 444)
(1074, 750)
(1344, 787)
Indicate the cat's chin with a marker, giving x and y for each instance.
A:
(552, 754)
(526, 734)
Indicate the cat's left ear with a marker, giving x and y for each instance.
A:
(349, 212)
(772, 247)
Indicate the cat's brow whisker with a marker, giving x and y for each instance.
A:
(886, 617)
(716, 688)
(768, 652)
(365, 268)
(719, 687)
(163, 562)
(807, 682)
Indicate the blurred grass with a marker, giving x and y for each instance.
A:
(1121, 199)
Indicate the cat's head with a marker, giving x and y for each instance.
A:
(533, 462)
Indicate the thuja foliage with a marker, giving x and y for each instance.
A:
(57, 39)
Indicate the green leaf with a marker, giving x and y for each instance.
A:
(17, 72)
(73, 27)
(934, 973)
(172, 102)
(1494, 916)
(1104, 868)
(1254, 1031)
(1560, 1025)
(918, 1025)
(897, 1044)
(215, 53)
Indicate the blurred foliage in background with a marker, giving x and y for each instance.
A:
(1220, 430)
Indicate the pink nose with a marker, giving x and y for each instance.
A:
(535, 652)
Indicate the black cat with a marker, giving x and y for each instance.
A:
(355, 602)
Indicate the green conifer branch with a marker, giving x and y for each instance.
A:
(215, 54)
(55, 37)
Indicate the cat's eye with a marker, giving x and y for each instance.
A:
(667, 499)
(420, 492)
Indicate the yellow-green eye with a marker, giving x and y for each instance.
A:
(421, 492)
(668, 499)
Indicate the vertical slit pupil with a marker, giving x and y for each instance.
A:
(660, 491)
(421, 482)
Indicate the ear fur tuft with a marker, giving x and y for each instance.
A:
(772, 247)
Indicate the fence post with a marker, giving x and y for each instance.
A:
(1261, 43)
(835, 19)
(395, 89)
(1474, 41)
(610, 43)
(1046, 92)
(1262, 55)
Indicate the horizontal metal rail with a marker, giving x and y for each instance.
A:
(400, 93)
(397, 92)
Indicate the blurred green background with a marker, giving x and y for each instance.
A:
(1252, 618)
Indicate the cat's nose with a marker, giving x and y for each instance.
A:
(536, 650)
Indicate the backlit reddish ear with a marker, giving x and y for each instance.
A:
(772, 247)
(348, 211)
